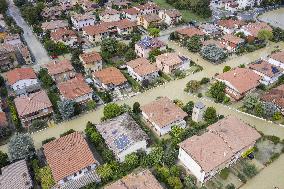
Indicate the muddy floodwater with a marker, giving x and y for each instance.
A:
(275, 18)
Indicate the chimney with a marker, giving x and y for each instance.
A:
(235, 74)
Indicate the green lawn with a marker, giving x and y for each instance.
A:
(187, 15)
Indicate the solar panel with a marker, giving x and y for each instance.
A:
(114, 132)
(122, 141)
(274, 70)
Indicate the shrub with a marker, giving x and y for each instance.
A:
(242, 177)
(91, 105)
(67, 132)
(47, 140)
(204, 80)
(199, 95)
(38, 125)
(249, 170)
(277, 116)
(224, 173)
(272, 138)
(230, 186)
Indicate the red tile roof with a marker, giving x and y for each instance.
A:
(163, 112)
(61, 33)
(275, 96)
(131, 11)
(266, 68)
(254, 28)
(232, 39)
(230, 23)
(91, 57)
(242, 79)
(278, 56)
(142, 66)
(37, 101)
(57, 67)
(3, 119)
(18, 74)
(190, 31)
(110, 75)
(68, 155)
(74, 88)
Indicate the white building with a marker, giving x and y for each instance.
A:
(141, 69)
(277, 59)
(22, 80)
(75, 165)
(269, 72)
(170, 16)
(123, 136)
(162, 114)
(147, 44)
(81, 20)
(221, 146)
(198, 111)
(110, 15)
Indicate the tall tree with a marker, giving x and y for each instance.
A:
(3, 6)
(66, 109)
(112, 110)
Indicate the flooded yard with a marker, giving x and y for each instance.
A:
(275, 18)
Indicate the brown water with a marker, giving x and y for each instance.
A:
(275, 18)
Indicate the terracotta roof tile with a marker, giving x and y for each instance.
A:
(217, 146)
(110, 75)
(275, 96)
(67, 155)
(163, 112)
(141, 180)
(91, 57)
(230, 23)
(56, 24)
(62, 33)
(170, 58)
(242, 79)
(131, 11)
(57, 67)
(18, 74)
(190, 31)
(265, 68)
(37, 101)
(254, 28)
(142, 66)
(232, 39)
(3, 119)
(279, 56)
(74, 88)
(151, 17)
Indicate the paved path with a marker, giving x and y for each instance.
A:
(35, 46)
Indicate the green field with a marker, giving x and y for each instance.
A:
(186, 14)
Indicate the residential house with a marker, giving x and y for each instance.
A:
(123, 136)
(24, 55)
(229, 26)
(60, 71)
(54, 25)
(13, 39)
(109, 15)
(251, 30)
(190, 32)
(140, 180)
(170, 62)
(210, 29)
(131, 14)
(7, 57)
(52, 13)
(232, 42)
(88, 6)
(239, 82)
(148, 8)
(120, 4)
(22, 80)
(81, 20)
(221, 146)
(148, 20)
(277, 59)
(104, 30)
(33, 106)
(110, 79)
(275, 96)
(92, 61)
(66, 4)
(147, 44)
(170, 16)
(65, 36)
(16, 176)
(269, 72)
(71, 161)
(141, 70)
(162, 114)
(75, 89)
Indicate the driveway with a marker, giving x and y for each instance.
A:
(35, 46)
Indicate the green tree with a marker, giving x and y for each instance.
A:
(66, 108)
(3, 159)
(178, 102)
(265, 35)
(154, 32)
(213, 53)
(38, 124)
(3, 6)
(277, 116)
(249, 170)
(230, 186)
(46, 80)
(217, 91)
(190, 182)
(192, 86)
(162, 173)
(177, 133)
(194, 44)
(112, 110)
(259, 110)
(105, 172)
(170, 156)
(136, 108)
(153, 54)
(91, 105)
(131, 161)
(21, 146)
(174, 183)
(109, 47)
(188, 107)
(130, 54)
(210, 115)
(251, 101)
(46, 177)
(155, 156)
(226, 69)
